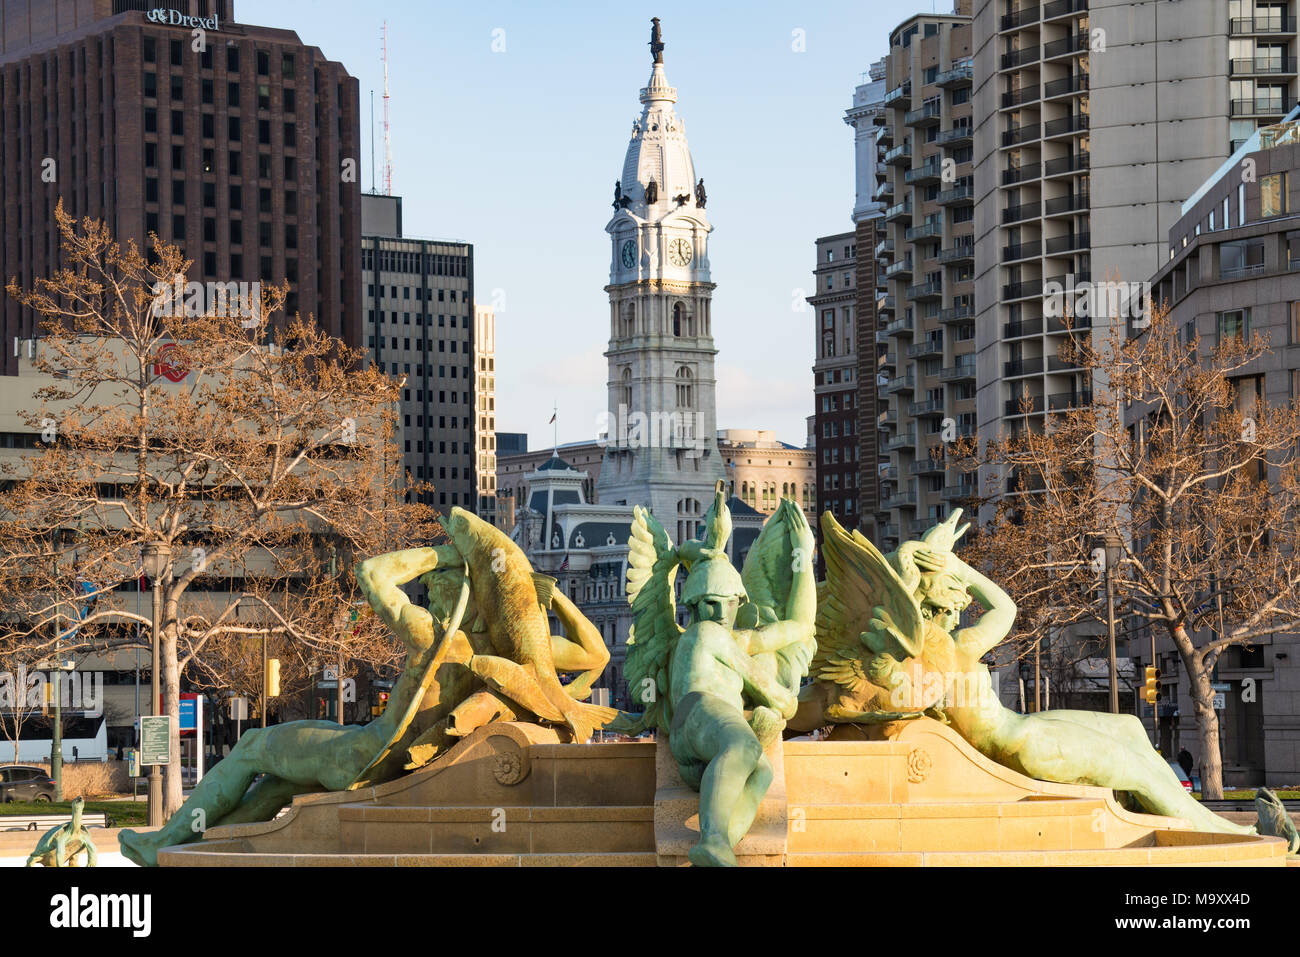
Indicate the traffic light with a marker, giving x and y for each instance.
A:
(272, 677)
(1151, 690)
(383, 701)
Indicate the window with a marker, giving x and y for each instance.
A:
(1241, 204)
(1294, 339)
(1234, 324)
(685, 397)
(1241, 258)
(1273, 199)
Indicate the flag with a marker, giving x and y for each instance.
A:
(552, 418)
(565, 564)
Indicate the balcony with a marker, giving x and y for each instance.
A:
(932, 346)
(903, 440)
(902, 383)
(929, 465)
(1244, 26)
(1021, 174)
(1024, 405)
(1014, 214)
(1022, 367)
(1022, 328)
(963, 490)
(886, 304)
(928, 172)
(900, 153)
(1063, 8)
(902, 324)
(961, 252)
(1069, 400)
(899, 500)
(962, 369)
(925, 231)
(1019, 251)
(1065, 86)
(1057, 324)
(1261, 66)
(1057, 364)
(896, 97)
(884, 191)
(1068, 244)
(1023, 133)
(957, 196)
(1262, 106)
(925, 407)
(961, 74)
(1067, 204)
(1019, 96)
(1064, 126)
(925, 290)
(957, 313)
(889, 360)
(1067, 164)
(901, 267)
(884, 248)
(899, 211)
(1066, 46)
(927, 114)
(1020, 17)
(1241, 272)
(1017, 58)
(959, 135)
(888, 417)
(1022, 290)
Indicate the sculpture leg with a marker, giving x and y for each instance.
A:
(707, 728)
(1109, 750)
(290, 751)
(92, 855)
(265, 798)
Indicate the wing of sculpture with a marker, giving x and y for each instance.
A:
(769, 567)
(859, 579)
(652, 565)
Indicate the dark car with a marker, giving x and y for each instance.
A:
(21, 782)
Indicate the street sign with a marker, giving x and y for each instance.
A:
(133, 763)
(239, 708)
(155, 739)
(330, 673)
(1220, 701)
(1221, 685)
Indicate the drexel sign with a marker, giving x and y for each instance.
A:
(174, 18)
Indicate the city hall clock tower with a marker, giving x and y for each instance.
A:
(661, 431)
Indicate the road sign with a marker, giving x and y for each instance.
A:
(133, 763)
(239, 708)
(155, 739)
(330, 673)
(1220, 701)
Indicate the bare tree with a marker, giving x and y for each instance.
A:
(258, 453)
(1196, 478)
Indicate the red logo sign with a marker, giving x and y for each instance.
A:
(171, 362)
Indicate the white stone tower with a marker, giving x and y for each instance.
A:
(661, 435)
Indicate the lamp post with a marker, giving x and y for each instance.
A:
(1110, 544)
(157, 559)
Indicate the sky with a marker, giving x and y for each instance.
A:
(509, 123)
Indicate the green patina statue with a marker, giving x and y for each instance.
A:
(481, 652)
(723, 688)
(59, 846)
(889, 648)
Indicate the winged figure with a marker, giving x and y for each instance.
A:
(723, 687)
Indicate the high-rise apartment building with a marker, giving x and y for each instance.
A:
(1141, 100)
(835, 388)
(485, 411)
(925, 375)
(239, 143)
(420, 328)
(867, 117)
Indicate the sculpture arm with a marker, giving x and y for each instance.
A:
(999, 612)
(583, 651)
(381, 576)
(760, 684)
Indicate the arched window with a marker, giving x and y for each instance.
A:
(685, 391)
(625, 381)
(679, 318)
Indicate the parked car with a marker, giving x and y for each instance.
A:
(1182, 776)
(22, 782)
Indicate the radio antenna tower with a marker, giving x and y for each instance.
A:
(388, 143)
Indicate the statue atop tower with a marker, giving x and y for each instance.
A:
(656, 41)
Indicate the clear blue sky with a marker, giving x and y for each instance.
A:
(517, 152)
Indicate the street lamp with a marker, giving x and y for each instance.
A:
(157, 559)
(1110, 546)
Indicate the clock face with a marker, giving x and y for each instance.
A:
(680, 252)
(629, 254)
